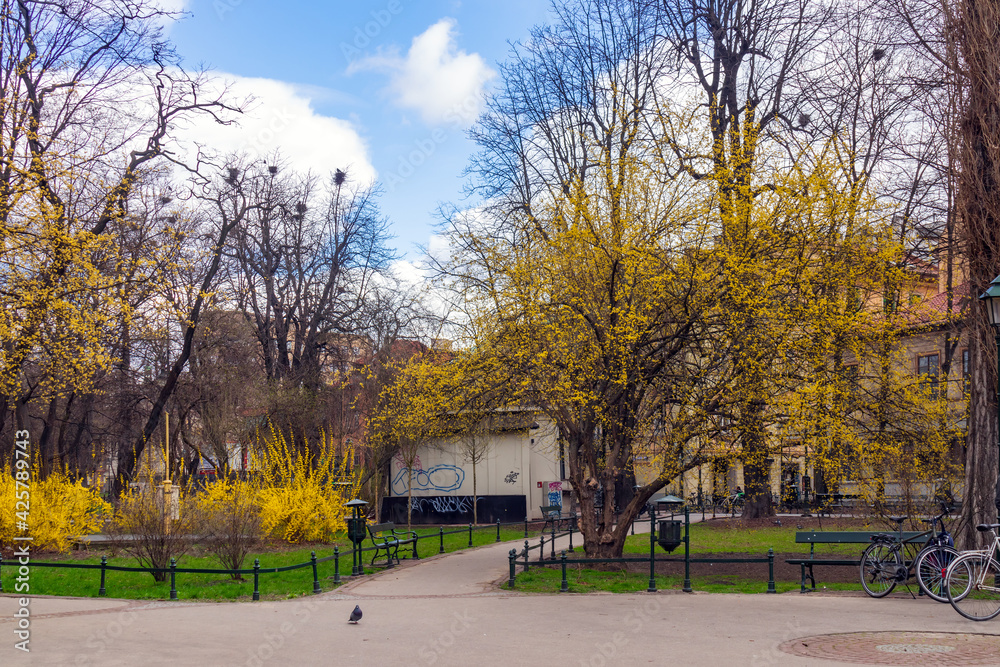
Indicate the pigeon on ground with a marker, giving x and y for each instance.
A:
(355, 615)
(778, 523)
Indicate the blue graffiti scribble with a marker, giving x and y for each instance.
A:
(443, 478)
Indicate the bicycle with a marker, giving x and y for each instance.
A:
(733, 503)
(933, 560)
(973, 580)
(884, 563)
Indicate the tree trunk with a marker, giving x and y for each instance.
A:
(756, 463)
(475, 497)
(979, 208)
(981, 453)
(409, 496)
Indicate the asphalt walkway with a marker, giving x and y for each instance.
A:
(446, 610)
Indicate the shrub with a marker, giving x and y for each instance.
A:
(59, 509)
(301, 495)
(139, 525)
(231, 522)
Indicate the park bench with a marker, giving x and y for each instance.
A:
(551, 513)
(814, 537)
(553, 516)
(385, 537)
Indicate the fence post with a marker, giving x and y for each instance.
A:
(572, 526)
(416, 541)
(652, 559)
(526, 525)
(316, 588)
(512, 557)
(526, 565)
(687, 551)
(441, 528)
(541, 547)
(101, 592)
(256, 578)
(336, 565)
(553, 540)
(770, 571)
(498, 530)
(564, 586)
(173, 580)
(470, 534)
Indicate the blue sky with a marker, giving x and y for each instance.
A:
(386, 87)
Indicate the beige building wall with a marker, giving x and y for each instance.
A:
(515, 463)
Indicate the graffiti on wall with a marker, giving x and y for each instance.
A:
(443, 478)
(511, 477)
(442, 504)
(555, 493)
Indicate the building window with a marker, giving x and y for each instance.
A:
(966, 374)
(927, 368)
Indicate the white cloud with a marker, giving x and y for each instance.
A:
(172, 5)
(176, 7)
(437, 79)
(281, 117)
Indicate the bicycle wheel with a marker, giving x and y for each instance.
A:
(880, 565)
(972, 586)
(931, 567)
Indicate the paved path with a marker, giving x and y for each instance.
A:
(444, 610)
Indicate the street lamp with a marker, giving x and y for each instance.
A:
(992, 298)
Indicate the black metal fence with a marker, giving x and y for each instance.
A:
(514, 557)
(356, 554)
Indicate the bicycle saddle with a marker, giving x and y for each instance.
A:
(983, 527)
(898, 519)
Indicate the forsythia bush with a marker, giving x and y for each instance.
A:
(301, 496)
(59, 509)
(230, 519)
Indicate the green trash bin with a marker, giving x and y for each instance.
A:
(669, 534)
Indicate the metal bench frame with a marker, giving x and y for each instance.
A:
(814, 537)
(385, 537)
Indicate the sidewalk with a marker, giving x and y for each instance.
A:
(444, 610)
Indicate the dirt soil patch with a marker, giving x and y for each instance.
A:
(798, 523)
(782, 570)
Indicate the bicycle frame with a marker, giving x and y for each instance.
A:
(990, 553)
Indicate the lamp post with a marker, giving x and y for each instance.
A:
(992, 299)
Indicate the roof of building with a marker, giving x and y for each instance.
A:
(935, 309)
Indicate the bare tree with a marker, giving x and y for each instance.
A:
(979, 218)
(91, 93)
(957, 38)
(227, 203)
(304, 266)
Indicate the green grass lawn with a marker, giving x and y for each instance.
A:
(711, 537)
(549, 579)
(706, 538)
(141, 586)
